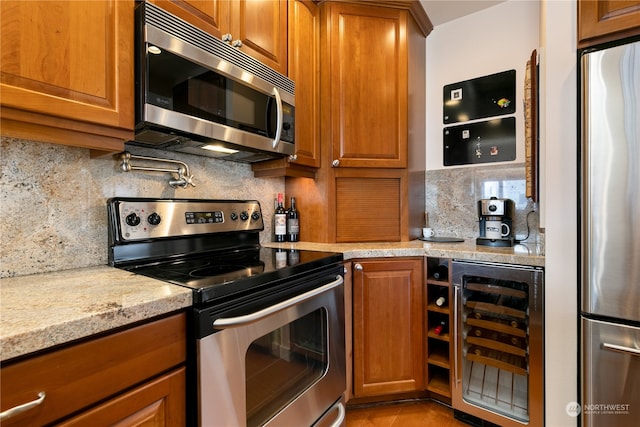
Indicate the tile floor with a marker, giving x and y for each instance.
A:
(405, 414)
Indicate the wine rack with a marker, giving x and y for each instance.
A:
(438, 342)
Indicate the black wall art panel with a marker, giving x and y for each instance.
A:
(488, 96)
(480, 142)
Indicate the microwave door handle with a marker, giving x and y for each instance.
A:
(276, 93)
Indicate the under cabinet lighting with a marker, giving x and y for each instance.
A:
(219, 149)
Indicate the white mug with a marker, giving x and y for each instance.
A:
(427, 232)
(496, 229)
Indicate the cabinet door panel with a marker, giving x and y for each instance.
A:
(368, 86)
(607, 20)
(368, 209)
(69, 59)
(158, 403)
(261, 26)
(388, 327)
(304, 45)
(211, 16)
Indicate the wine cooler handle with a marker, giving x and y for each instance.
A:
(621, 349)
(456, 291)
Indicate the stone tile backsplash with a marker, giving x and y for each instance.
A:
(53, 200)
(452, 196)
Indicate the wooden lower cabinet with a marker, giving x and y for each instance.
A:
(128, 378)
(157, 403)
(388, 326)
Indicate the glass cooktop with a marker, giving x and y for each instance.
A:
(219, 275)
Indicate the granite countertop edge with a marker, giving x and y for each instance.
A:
(520, 254)
(43, 311)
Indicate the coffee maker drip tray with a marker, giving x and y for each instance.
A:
(504, 242)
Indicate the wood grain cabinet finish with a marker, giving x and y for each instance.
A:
(67, 72)
(132, 375)
(370, 184)
(259, 25)
(304, 70)
(366, 84)
(607, 20)
(388, 326)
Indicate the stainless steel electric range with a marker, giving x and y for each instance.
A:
(267, 325)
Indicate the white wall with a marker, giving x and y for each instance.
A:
(558, 136)
(490, 41)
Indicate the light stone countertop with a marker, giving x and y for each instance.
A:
(44, 310)
(41, 311)
(521, 254)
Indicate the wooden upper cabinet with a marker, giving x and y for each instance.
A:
(67, 72)
(259, 25)
(304, 70)
(607, 20)
(367, 85)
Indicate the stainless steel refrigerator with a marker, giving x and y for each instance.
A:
(610, 235)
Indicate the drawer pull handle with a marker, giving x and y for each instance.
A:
(24, 407)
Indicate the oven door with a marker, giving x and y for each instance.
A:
(282, 365)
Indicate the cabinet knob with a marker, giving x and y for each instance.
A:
(335, 163)
(358, 267)
(227, 37)
(237, 43)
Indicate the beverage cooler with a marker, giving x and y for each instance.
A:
(498, 346)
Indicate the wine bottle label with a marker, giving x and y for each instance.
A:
(293, 224)
(280, 224)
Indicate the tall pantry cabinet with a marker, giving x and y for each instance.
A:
(370, 183)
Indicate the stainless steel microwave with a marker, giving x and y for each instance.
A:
(196, 94)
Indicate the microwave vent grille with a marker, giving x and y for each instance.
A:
(178, 28)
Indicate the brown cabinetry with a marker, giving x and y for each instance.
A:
(129, 376)
(439, 340)
(370, 184)
(607, 20)
(258, 27)
(67, 72)
(304, 70)
(388, 326)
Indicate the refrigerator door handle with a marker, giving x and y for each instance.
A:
(621, 349)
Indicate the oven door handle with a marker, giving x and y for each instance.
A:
(233, 322)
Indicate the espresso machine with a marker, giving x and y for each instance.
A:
(496, 222)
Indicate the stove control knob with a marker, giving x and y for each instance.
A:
(132, 219)
(255, 216)
(154, 219)
(244, 215)
(233, 216)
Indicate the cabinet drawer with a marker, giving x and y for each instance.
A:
(160, 402)
(80, 375)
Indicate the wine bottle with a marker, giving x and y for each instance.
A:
(441, 300)
(280, 220)
(293, 222)
(441, 328)
(441, 272)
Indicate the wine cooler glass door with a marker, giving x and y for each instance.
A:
(496, 333)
